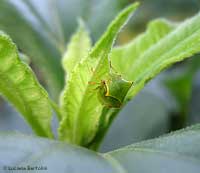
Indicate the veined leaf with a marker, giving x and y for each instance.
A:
(77, 49)
(81, 105)
(177, 152)
(179, 44)
(19, 85)
(23, 150)
(123, 57)
(42, 33)
(182, 142)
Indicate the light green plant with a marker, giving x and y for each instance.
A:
(99, 81)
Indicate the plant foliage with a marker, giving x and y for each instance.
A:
(84, 118)
(20, 86)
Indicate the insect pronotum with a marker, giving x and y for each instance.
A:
(112, 91)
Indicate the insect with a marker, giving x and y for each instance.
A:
(111, 92)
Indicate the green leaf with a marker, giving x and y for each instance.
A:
(42, 33)
(179, 44)
(35, 38)
(177, 152)
(182, 142)
(80, 102)
(20, 150)
(123, 57)
(77, 49)
(20, 86)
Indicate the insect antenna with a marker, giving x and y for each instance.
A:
(112, 69)
(94, 85)
(91, 70)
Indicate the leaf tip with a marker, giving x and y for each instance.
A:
(132, 6)
(81, 23)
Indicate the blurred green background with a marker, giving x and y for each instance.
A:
(41, 29)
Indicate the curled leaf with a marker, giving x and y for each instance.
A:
(19, 85)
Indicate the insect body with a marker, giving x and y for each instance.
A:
(111, 92)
